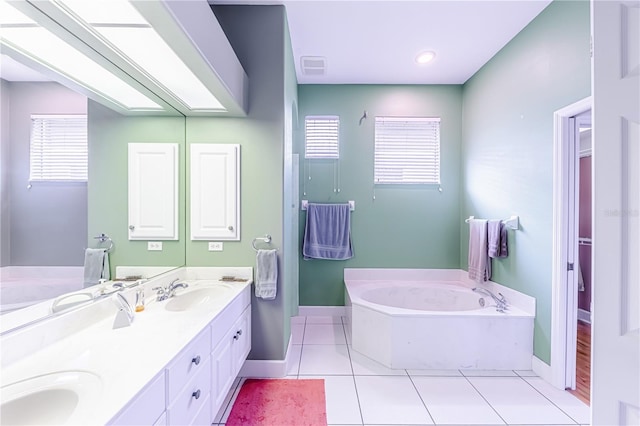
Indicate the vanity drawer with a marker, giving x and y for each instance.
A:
(221, 325)
(146, 407)
(193, 398)
(188, 363)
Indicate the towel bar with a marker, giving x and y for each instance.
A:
(512, 223)
(305, 203)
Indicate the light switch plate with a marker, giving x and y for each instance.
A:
(154, 245)
(215, 246)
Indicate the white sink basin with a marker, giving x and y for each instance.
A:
(50, 399)
(198, 297)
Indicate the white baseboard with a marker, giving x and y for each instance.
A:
(541, 368)
(584, 316)
(267, 368)
(329, 311)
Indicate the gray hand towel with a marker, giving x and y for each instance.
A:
(266, 274)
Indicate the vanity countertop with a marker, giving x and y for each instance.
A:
(123, 359)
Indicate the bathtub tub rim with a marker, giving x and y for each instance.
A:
(355, 288)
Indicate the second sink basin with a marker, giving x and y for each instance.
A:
(197, 297)
(50, 399)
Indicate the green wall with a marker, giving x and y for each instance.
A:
(109, 135)
(507, 150)
(405, 226)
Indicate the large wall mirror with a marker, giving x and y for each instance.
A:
(46, 226)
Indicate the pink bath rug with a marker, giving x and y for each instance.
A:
(280, 402)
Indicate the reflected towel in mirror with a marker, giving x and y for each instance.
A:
(96, 266)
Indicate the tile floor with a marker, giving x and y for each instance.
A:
(359, 391)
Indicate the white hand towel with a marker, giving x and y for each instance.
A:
(96, 266)
(266, 274)
(479, 262)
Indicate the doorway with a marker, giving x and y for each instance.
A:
(569, 342)
(579, 366)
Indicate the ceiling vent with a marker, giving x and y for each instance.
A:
(313, 65)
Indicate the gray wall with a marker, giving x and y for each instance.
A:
(48, 223)
(257, 36)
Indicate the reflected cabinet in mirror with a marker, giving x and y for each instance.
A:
(48, 223)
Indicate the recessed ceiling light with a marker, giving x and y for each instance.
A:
(425, 57)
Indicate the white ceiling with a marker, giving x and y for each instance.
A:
(377, 41)
(12, 70)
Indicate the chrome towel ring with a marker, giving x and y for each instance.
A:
(104, 238)
(265, 239)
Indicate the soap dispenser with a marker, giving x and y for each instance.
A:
(140, 300)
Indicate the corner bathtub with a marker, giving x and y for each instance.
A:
(431, 319)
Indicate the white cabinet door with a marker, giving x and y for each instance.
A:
(242, 340)
(153, 191)
(222, 375)
(215, 191)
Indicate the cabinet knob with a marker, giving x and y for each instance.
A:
(230, 228)
(196, 360)
(196, 394)
(239, 332)
(131, 227)
(235, 336)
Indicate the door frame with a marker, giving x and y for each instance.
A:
(563, 319)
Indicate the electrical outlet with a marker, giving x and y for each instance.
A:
(215, 246)
(154, 245)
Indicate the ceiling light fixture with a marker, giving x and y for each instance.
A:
(25, 36)
(425, 57)
(121, 27)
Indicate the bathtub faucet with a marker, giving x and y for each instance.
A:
(501, 302)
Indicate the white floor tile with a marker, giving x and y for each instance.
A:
(452, 400)
(320, 319)
(488, 373)
(297, 333)
(342, 400)
(298, 320)
(517, 402)
(324, 334)
(442, 373)
(391, 399)
(296, 351)
(526, 373)
(325, 360)
(576, 409)
(365, 366)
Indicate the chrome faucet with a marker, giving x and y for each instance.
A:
(171, 290)
(501, 302)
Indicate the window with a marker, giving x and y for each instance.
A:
(407, 150)
(58, 148)
(321, 137)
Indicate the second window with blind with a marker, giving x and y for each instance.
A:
(407, 150)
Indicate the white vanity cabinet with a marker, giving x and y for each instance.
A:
(231, 341)
(188, 383)
(193, 385)
(147, 408)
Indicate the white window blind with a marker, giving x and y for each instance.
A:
(321, 137)
(58, 148)
(407, 150)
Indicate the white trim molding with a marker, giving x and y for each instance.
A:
(328, 311)
(560, 296)
(266, 368)
(541, 368)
